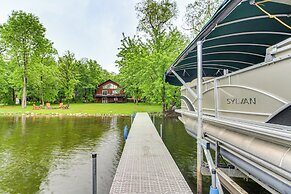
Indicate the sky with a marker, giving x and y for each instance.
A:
(89, 28)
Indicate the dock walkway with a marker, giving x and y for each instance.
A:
(146, 165)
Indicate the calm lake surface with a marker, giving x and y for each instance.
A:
(53, 154)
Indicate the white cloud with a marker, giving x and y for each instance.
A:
(89, 28)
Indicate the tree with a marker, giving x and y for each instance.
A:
(91, 75)
(44, 84)
(164, 43)
(68, 74)
(132, 55)
(9, 85)
(142, 65)
(24, 39)
(4, 89)
(155, 16)
(199, 12)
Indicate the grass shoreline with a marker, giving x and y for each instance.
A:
(88, 109)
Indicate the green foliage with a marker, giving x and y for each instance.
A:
(155, 16)
(79, 79)
(44, 81)
(68, 74)
(4, 82)
(132, 55)
(199, 12)
(91, 75)
(142, 62)
(24, 41)
(30, 67)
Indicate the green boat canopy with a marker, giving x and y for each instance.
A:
(236, 37)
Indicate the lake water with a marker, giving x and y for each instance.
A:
(53, 154)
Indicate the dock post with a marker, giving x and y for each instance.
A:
(125, 132)
(199, 120)
(161, 130)
(217, 154)
(213, 187)
(94, 173)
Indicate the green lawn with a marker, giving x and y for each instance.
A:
(90, 108)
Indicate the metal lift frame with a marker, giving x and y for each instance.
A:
(202, 144)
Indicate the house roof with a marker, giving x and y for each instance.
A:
(107, 82)
(236, 37)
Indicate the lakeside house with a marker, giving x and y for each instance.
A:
(108, 92)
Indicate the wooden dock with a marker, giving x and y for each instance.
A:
(146, 165)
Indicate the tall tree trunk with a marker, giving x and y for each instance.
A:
(164, 97)
(42, 98)
(13, 96)
(42, 101)
(23, 102)
(136, 97)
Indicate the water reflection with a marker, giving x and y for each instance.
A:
(53, 155)
(23, 124)
(183, 149)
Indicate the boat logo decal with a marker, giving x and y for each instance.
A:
(241, 101)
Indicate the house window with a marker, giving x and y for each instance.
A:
(104, 92)
(110, 86)
(115, 92)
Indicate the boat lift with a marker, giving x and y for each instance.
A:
(204, 146)
(222, 148)
(236, 38)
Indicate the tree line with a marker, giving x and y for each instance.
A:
(32, 70)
